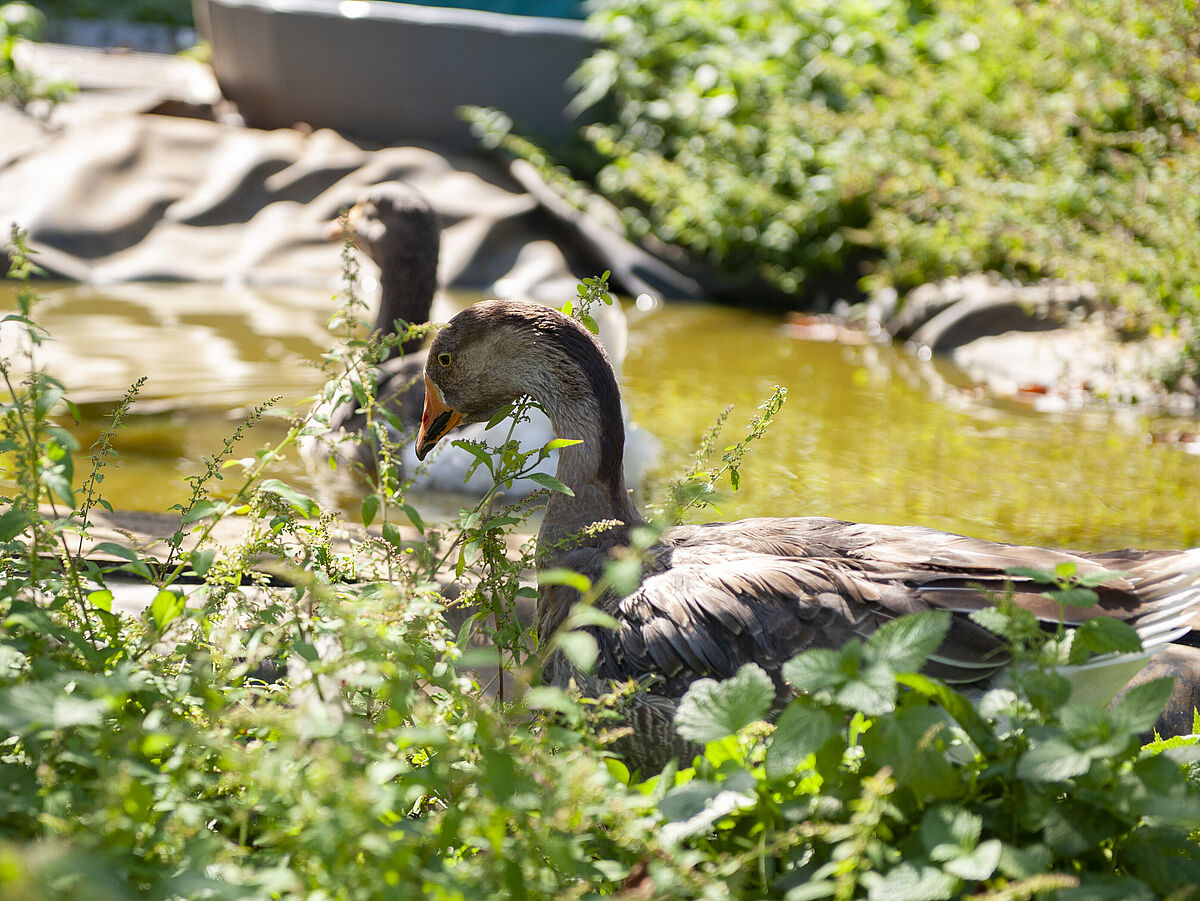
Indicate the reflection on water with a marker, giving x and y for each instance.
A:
(868, 432)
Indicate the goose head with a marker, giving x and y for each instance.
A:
(391, 221)
(500, 350)
(497, 351)
(394, 225)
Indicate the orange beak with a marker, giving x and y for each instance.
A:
(436, 421)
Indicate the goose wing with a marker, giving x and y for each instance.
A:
(763, 590)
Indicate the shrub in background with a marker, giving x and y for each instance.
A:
(816, 145)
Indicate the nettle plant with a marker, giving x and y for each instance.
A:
(289, 719)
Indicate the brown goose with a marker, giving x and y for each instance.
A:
(394, 225)
(716, 596)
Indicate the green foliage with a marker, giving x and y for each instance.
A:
(894, 142)
(23, 22)
(310, 730)
(880, 782)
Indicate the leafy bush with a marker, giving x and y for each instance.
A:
(309, 731)
(23, 22)
(894, 142)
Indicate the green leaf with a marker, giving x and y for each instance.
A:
(166, 608)
(583, 614)
(712, 710)
(948, 831)
(567, 577)
(871, 691)
(916, 881)
(977, 865)
(201, 560)
(413, 516)
(391, 534)
(1075, 597)
(1052, 759)
(203, 510)
(1138, 709)
(559, 443)
(579, 647)
(370, 506)
(1041, 576)
(800, 731)
(13, 523)
(102, 599)
(548, 481)
(299, 502)
(552, 698)
(911, 741)
(1103, 635)
(906, 643)
(815, 669)
(624, 575)
(117, 550)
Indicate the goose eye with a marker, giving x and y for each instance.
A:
(443, 359)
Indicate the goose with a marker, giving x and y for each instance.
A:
(394, 225)
(716, 596)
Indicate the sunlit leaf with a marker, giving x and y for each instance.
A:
(712, 710)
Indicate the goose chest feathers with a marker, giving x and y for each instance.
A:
(714, 597)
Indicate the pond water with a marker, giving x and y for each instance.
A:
(868, 432)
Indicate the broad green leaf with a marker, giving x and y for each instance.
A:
(307, 651)
(201, 560)
(579, 647)
(712, 710)
(1075, 596)
(948, 831)
(166, 608)
(370, 506)
(391, 534)
(102, 599)
(916, 881)
(567, 577)
(1103, 635)
(800, 730)
(624, 575)
(300, 502)
(1041, 576)
(1138, 709)
(910, 742)
(871, 691)
(550, 697)
(548, 481)
(117, 550)
(413, 516)
(1052, 759)
(906, 643)
(815, 669)
(1066, 570)
(13, 523)
(586, 615)
(203, 510)
(978, 864)
(1021, 863)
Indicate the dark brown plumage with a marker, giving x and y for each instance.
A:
(714, 597)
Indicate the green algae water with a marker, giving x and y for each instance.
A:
(868, 432)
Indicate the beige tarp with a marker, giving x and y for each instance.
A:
(111, 193)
